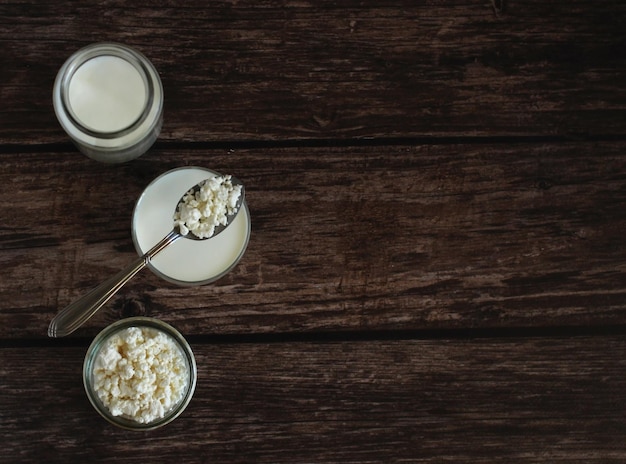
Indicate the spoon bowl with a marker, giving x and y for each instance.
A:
(78, 312)
(231, 213)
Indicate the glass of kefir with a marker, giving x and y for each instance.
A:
(109, 99)
(186, 262)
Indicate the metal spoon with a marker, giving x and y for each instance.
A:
(78, 312)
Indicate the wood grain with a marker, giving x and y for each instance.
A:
(436, 271)
(481, 401)
(343, 239)
(267, 71)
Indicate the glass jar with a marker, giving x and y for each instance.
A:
(109, 99)
(97, 365)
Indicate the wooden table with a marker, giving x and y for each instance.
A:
(437, 265)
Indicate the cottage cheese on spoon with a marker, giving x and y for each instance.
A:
(201, 210)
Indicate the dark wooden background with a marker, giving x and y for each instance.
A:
(437, 266)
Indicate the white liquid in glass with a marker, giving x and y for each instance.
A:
(186, 261)
(107, 94)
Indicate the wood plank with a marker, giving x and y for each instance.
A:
(297, 70)
(480, 401)
(343, 239)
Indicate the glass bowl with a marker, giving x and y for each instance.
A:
(124, 353)
(185, 262)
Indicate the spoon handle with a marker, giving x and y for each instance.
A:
(78, 312)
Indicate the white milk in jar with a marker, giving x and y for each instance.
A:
(107, 94)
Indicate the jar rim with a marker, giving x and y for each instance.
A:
(88, 54)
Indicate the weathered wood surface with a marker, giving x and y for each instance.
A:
(479, 401)
(436, 271)
(240, 71)
(343, 239)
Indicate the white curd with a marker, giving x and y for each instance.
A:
(140, 373)
(200, 212)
